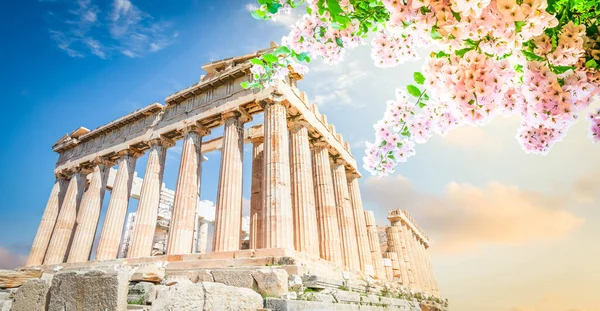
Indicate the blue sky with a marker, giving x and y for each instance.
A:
(527, 223)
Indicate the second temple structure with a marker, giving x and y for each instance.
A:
(305, 199)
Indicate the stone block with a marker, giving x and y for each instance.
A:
(190, 275)
(181, 297)
(94, 290)
(262, 261)
(13, 279)
(237, 278)
(153, 293)
(32, 296)
(205, 276)
(271, 282)
(223, 297)
(245, 253)
(273, 252)
(151, 273)
(343, 296)
(139, 293)
(201, 264)
(6, 304)
(218, 255)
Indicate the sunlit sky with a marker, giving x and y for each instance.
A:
(510, 231)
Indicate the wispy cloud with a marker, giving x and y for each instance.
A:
(11, 260)
(123, 29)
(338, 81)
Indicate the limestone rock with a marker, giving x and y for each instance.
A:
(66, 292)
(207, 296)
(343, 296)
(12, 279)
(5, 305)
(151, 273)
(223, 297)
(205, 276)
(180, 297)
(153, 293)
(271, 282)
(237, 278)
(32, 296)
(139, 293)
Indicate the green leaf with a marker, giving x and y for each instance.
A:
(413, 90)
(456, 15)
(258, 14)
(471, 102)
(421, 104)
(424, 10)
(462, 52)
(339, 42)
(419, 78)
(303, 57)
(519, 25)
(282, 50)
(531, 56)
(257, 61)
(435, 35)
(441, 54)
(245, 84)
(308, 10)
(273, 7)
(562, 69)
(270, 58)
(334, 7)
(591, 64)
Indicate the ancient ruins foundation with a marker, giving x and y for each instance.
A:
(306, 210)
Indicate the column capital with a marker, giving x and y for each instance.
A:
(104, 161)
(318, 143)
(239, 113)
(352, 175)
(337, 161)
(276, 98)
(295, 123)
(195, 128)
(161, 141)
(130, 153)
(257, 140)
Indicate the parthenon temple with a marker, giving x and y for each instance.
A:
(305, 201)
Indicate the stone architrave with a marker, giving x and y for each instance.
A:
(147, 212)
(303, 191)
(228, 215)
(257, 219)
(327, 222)
(42, 238)
(89, 213)
(114, 221)
(65, 224)
(276, 189)
(364, 251)
(345, 216)
(374, 245)
(183, 218)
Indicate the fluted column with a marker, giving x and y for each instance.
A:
(44, 233)
(434, 284)
(257, 216)
(183, 218)
(89, 213)
(112, 229)
(327, 222)
(394, 244)
(408, 263)
(202, 236)
(374, 245)
(364, 252)
(414, 260)
(228, 215)
(277, 191)
(345, 216)
(142, 237)
(427, 275)
(63, 230)
(306, 238)
(393, 272)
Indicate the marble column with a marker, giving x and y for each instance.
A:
(394, 245)
(65, 223)
(142, 237)
(42, 238)
(405, 257)
(114, 221)
(257, 216)
(428, 282)
(228, 215)
(202, 236)
(89, 213)
(306, 238)
(327, 222)
(183, 218)
(277, 191)
(345, 216)
(364, 252)
(388, 265)
(412, 253)
(374, 245)
(395, 272)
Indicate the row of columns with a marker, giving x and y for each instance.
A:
(297, 191)
(410, 261)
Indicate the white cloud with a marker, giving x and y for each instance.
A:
(337, 82)
(10, 260)
(125, 30)
(466, 218)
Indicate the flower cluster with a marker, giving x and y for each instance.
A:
(494, 57)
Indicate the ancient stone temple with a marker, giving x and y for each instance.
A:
(306, 211)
